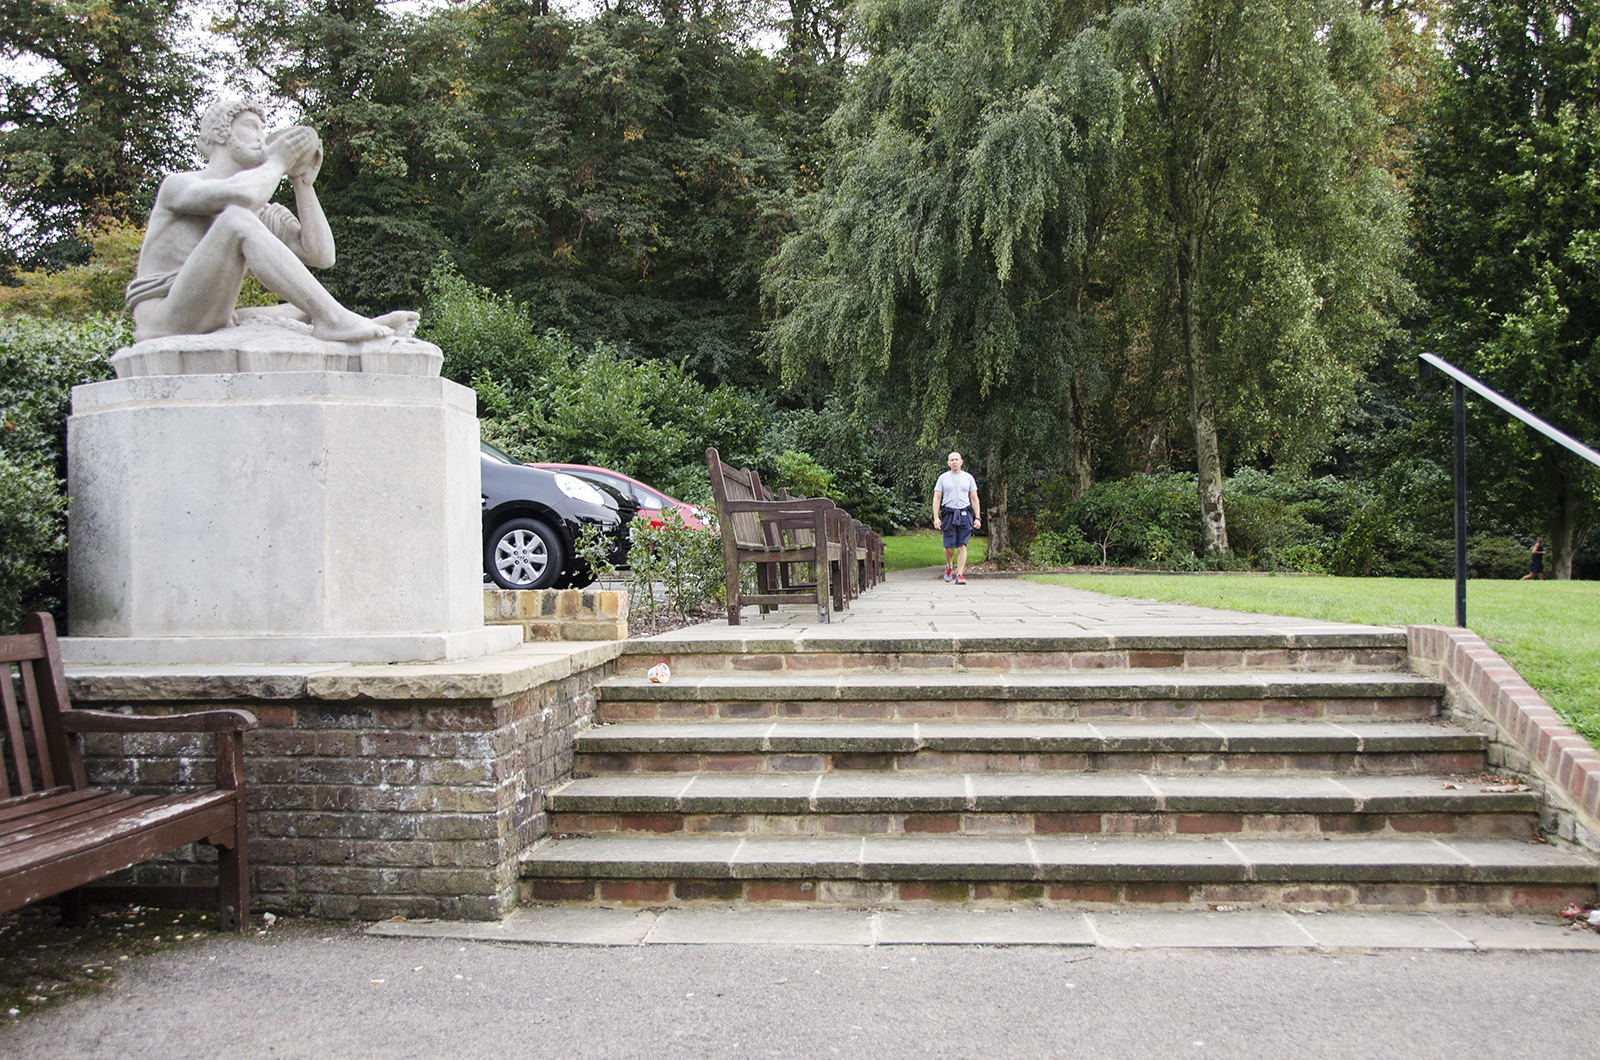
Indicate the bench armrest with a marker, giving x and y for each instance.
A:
(202, 721)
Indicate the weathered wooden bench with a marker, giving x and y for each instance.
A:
(57, 833)
(775, 534)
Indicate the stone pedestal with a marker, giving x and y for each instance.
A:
(277, 517)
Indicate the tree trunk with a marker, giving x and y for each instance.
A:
(1569, 521)
(1080, 476)
(995, 516)
(1202, 407)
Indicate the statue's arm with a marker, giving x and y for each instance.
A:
(313, 242)
(192, 193)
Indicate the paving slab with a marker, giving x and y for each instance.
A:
(1145, 930)
(913, 609)
(1488, 932)
(1244, 929)
(763, 927)
(573, 926)
(1387, 931)
(984, 927)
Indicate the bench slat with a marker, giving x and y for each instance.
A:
(46, 869)
(154, 814)
(37, 826)
(19, 806)
(21, 646)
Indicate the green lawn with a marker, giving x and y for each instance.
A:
(925, 548)
(1550, 631)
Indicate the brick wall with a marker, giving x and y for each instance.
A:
(373, 791)
(559, 614)
(1526, 736)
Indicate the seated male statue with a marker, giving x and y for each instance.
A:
(211, 227)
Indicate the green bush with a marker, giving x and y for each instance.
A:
(1496, 557)
(1273, 534)
(672, 566)
(1138, 521)
(32, 539)
(542, 398)
(40, 362)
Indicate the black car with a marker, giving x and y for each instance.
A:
(531, 518)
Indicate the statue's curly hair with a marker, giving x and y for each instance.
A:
(216, 124)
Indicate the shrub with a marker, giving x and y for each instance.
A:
(40, 362)
(540, 397)
(672, 566)
(1496, 557)
(1125, 522)
(32, 538)
(1273, 534)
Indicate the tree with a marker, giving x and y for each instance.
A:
(1257, 140)
(942, 260)
(385, 93)
(627, 183)
(85, 142)
(1509, 239)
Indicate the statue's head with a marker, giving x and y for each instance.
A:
(216, 124)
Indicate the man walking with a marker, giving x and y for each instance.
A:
(955, 511)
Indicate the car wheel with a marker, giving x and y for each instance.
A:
(523, 554)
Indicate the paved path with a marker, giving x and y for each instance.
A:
(918, 603)
(1131, 930)
(333, 996)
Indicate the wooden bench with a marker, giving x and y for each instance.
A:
(774, 535)
(57, 833)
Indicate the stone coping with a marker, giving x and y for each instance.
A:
(489, 677)
(713, 638)
(1133, 929)
(1031, 686)
(1489, 684)
(834, 793)
(984, 735)
(1032, 858)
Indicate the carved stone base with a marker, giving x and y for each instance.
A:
(275, 346)
(276, 517)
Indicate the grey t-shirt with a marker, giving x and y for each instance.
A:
(956, 488)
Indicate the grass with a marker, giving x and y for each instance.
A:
(925, 548)
(1550, 631)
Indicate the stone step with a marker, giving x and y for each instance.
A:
(780, 652)
(1001, 746)
(889, 871)
(1046, 695)
(1039, 804)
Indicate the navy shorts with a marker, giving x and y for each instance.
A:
(957, 523)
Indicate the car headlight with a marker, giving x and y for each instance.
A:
(580, 490)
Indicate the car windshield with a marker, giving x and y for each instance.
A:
(495, 454)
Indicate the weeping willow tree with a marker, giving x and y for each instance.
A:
(941, 264)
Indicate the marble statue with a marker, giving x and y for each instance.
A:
(212, 227)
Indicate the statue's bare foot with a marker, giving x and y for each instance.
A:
(349, 327)
(402, 321)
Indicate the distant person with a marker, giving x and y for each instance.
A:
(955, 511)
(1536, 560)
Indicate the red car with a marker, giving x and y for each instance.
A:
(651, 500)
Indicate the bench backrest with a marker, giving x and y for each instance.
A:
(733, 484)
(35, 753)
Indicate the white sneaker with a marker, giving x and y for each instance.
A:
(949, 573)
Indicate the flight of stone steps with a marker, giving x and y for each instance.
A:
(1228, 771)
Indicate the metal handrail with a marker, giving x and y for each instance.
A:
(1553, 433)
(1428, 362)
